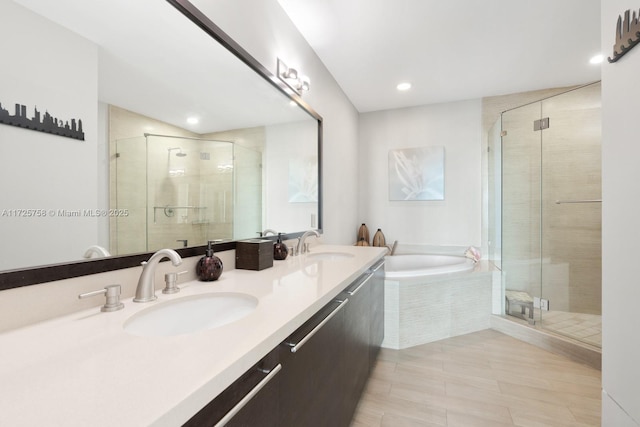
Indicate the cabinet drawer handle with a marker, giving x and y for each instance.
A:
(377, 266)
(232, 413)
(355, 291)
(296, 347)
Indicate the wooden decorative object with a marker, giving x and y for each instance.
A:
(627, 35)
(254, 254)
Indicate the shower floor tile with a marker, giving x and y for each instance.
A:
(581, 326)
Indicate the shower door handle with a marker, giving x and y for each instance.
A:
(562, 202)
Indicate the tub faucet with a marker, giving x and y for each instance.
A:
(392, 249)
(301, 245)
(146, 290)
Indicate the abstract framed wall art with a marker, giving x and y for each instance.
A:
(416, 173)
(303, 180)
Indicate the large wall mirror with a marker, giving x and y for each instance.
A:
(186, 139)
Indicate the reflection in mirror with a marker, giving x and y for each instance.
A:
(134, 72)
(186, 196)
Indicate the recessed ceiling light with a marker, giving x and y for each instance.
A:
(597, 59)
(193, 120)
(404, 86)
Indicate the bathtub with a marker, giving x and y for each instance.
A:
(420, 265)
(432, 297)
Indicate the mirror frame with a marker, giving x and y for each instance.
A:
(11, 279)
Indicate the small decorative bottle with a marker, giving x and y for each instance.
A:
(280, 250)
(378, 239)
(209, 267)
(363, 234)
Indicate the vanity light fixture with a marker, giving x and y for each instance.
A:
(289, 74)
(597, 59)
(304, 83)
(292, 78)
(403, 86)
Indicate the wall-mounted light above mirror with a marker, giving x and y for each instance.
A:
(292, 77)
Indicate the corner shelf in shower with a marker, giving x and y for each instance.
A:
(200, 222)
(169, 211)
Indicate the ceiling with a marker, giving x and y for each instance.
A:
(144, 66)
(449, 50)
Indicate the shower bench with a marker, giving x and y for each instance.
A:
(522, 299)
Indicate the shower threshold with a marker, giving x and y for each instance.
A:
(553, 341)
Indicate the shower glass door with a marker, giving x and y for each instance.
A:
(551, 213)
(571, 215)
(521, 215)
(189, 191)
(128, 233)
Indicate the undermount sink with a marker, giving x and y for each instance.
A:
(331, 256)
(190, 314)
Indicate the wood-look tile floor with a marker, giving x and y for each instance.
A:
(480, 379)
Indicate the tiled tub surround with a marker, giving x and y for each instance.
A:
(83, 369)
(419, 310)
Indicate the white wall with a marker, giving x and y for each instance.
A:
(284, 144)
(48, 67)
(457, 127)
(620, 228)
(267, 33)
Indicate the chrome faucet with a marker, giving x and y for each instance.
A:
(301, 249)
(146, 290)
(98, 250)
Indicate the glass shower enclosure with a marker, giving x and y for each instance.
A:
(547, 186)
(183, 191)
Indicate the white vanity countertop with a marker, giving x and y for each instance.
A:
(85, 370)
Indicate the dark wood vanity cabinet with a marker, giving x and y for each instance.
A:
(323, 380)
(313, 370)
(377, 310)
(252, 400)
(316, 376)
(364, 331)
(357, 344)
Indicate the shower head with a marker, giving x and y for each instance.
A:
(179, 153)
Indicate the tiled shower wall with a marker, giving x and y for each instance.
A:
(572, 171)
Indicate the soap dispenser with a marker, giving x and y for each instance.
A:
(209, 267)
(280, 250)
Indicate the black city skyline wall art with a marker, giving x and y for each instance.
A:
(42, 123)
